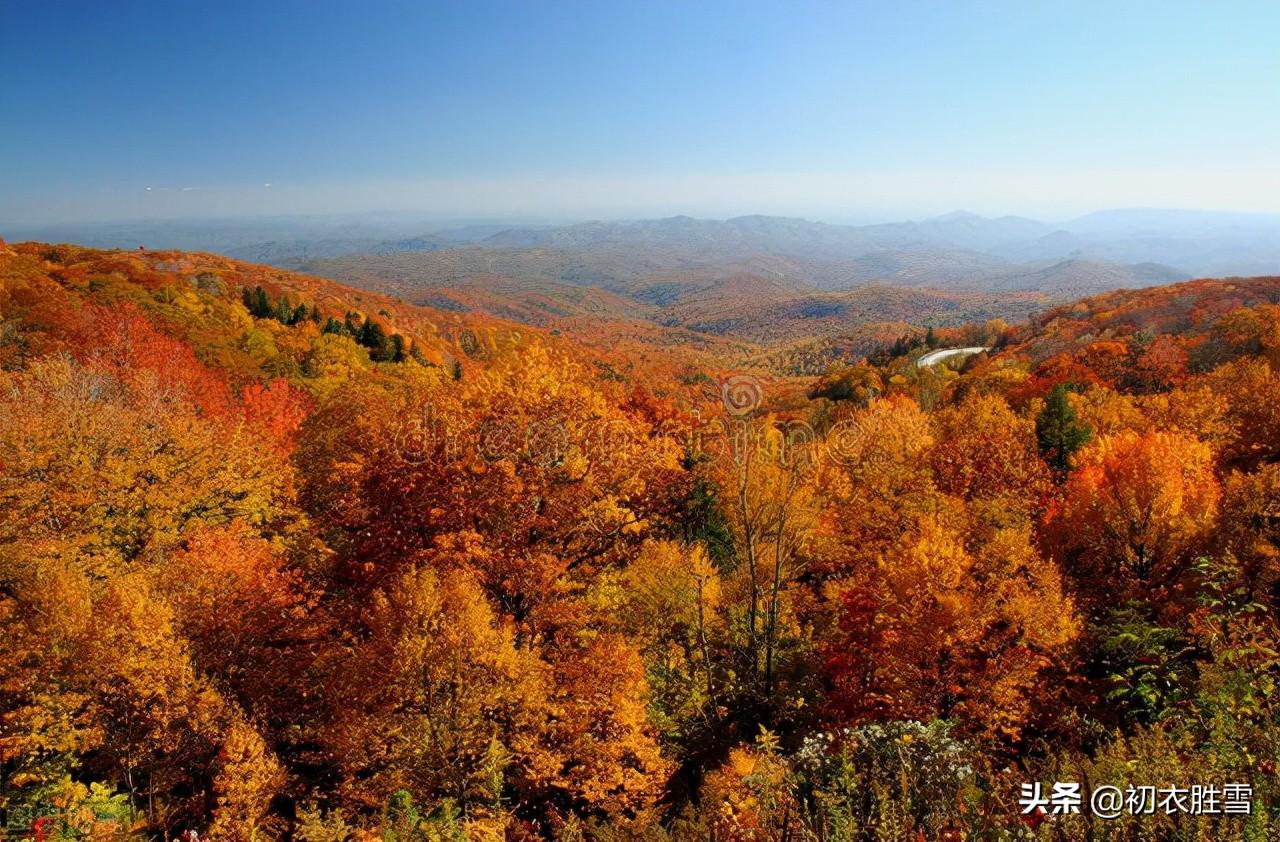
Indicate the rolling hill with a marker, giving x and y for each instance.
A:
(716, 278)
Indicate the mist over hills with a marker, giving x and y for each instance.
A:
(279, 241)
(763, 279)
(965, 244)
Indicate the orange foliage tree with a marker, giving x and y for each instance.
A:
(950, 625)
(1135, 509)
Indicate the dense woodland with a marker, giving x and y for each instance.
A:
(284, 560)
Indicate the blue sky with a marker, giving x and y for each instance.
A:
(574, 109)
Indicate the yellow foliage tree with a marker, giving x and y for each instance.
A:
(247, 778)
(950, 624)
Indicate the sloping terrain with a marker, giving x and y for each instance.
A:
(270, 547)
(761, 299)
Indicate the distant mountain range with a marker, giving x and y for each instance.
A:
(961, 245)
(1192, 242)
(278, 241)
(763, 279)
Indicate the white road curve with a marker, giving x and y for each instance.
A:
(935, 357)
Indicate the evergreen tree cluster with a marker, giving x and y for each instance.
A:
(383, 347)
(259, 306)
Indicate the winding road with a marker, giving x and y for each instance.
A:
(935, 357)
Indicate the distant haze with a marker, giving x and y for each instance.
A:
(835, 197)
(1121, 247)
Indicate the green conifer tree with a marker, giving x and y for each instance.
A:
(1058, 431)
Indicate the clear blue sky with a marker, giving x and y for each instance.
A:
(581, 108)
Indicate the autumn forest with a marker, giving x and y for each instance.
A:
(283, 559)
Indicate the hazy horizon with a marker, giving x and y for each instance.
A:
(412, 220)
(816, 198)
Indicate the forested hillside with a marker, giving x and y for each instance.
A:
(758, 296)
(281, 559)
